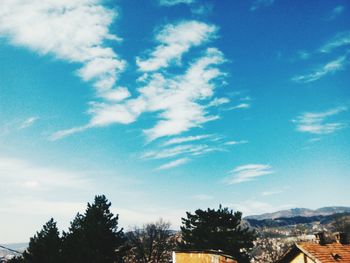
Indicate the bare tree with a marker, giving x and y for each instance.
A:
(151, 243)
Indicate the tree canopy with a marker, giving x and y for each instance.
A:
(94, 237)
(45, 246)
(219, 230)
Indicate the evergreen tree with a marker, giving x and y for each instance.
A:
(219, 230)
(45, 246)
(94, 237)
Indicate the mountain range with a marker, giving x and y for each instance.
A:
(301, 212)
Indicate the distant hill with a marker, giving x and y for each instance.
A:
(301, 212)
(295, 220)
(16, 246)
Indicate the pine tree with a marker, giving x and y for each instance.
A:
(45, 246)
(218, 230)
(94, 237)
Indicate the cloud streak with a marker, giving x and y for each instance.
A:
(246, 173)
(327, 69)
(175, 2)
(340, 40)
(316, 122)
(28, 122)
(173, 164)
(179, 140)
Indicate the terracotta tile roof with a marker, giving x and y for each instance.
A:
(328, 253)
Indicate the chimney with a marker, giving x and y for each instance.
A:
(341, 238)
(320, 238)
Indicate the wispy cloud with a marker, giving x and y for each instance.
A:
(188, 149)
(339, 40)
(28, 122)
(316, 122)
(239, 106)
(235, 142)
(173, 164)
(175, 40)
(75, 31)
(218, 101)
(261, 3)
(247, 173)
(175, 2)
(337, 11)
(179, 140)
(329, 68)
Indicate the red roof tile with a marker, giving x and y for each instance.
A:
(328, 253)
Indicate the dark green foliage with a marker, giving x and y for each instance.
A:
(94, 237)
(152, 243)
(218, 230)
(16, 260)
(45, 246)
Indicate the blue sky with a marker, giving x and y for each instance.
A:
(167, 106)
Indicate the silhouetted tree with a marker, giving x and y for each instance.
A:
(94, 237)
(219, 230)
(152, 243)
(17, 259)
(45, 246)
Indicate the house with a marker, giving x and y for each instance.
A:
(204, 256)
(319, 251)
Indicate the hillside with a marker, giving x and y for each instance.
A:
(301, 212)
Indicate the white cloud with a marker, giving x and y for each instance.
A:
(63, 133)
(71, 30)
(329, 68)
(173, 164)
(316, 122)
(235, 142)
(261, 3)
(175, 2)
(340, 40)
(218, 101)
(28, 122)
(179, 140)
(247, 173)
(175, 40)
(240, 106)
(177, 100)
